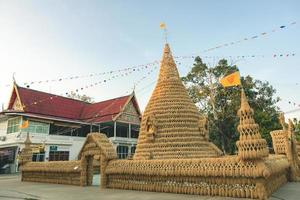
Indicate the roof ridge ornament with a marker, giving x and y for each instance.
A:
(14, 78)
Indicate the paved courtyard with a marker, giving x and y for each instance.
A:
(12, 188)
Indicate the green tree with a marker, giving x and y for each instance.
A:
(220, 104)
(297, 129)
(77, 96)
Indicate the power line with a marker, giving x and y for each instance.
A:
(292, 111)
(282, 27)
(84, 87)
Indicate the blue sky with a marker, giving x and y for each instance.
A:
(51, 39)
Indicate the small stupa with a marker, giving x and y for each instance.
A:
(172, 126)
(250, 144)
(26, 154)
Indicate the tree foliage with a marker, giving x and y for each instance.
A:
(297, 129)
(77, 96)
(220, 104)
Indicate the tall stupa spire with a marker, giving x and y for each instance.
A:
(168, 67)
(250, 144)
(172, 126)
(27, 141)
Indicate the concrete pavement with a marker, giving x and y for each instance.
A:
(12, 188)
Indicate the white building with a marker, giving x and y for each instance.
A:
(58, 125)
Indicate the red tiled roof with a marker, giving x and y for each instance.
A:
(49, 104)
(103, 111)
(63, 107)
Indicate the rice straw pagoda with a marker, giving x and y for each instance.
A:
(174, 155)
(171, 125)
(26, 154)
(250, 145)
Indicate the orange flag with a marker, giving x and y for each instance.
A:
(162, 25)
(25, 124)
(233, 79)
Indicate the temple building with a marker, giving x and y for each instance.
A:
(58, 125)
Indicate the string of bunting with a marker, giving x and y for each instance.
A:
(153, 82)
(155, 62)
(133, 68)
(138, 82)
(145, 66)
(290, 102)
(144, 77)
(98, 114)
(281, 55)
(292, 111)
(6, 85)
(124, 74)
(145, 87)
(88, 121)
(249, 38)
(294, 103)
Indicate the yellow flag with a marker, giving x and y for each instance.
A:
(162, 25)
(231, 80)
(25, 124)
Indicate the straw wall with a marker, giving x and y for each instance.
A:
(59, 172)
(96, 148)
(225, 176)
(280, 141)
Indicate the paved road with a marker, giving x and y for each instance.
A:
(11, 188)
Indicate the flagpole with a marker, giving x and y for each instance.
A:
(164, 27)
(166, 34)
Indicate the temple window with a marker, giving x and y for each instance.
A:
(65, 130)
(135, 131)
(122, 151)
(38, 157)
(122, 130)
(37, 127)
(107, 128)
(13, 125)
(58, 155)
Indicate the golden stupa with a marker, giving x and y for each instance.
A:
(250, 145)
(26, 154)
(172, 126)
